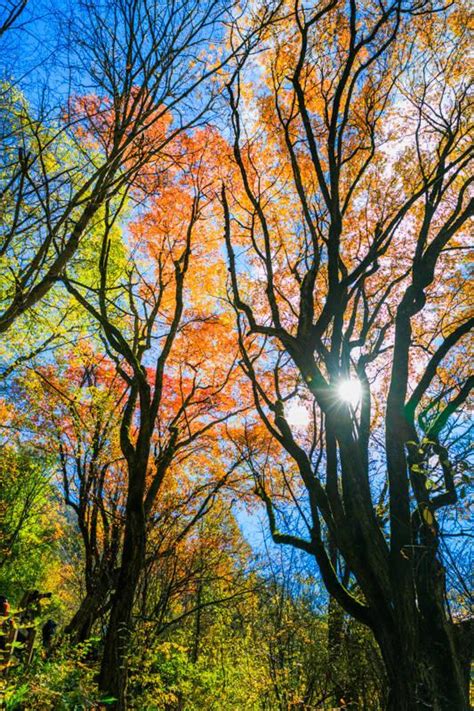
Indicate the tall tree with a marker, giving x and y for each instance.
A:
(346, 215)
(175, 361)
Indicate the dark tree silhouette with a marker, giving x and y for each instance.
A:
(344, 220)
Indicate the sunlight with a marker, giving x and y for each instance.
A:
(297, 415)
(350, 391)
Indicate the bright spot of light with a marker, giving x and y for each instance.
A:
(297, 415)
(350, 391)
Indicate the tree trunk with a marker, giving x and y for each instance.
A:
(80, 627)
(113, 672)
(430, 678)
(94, 605)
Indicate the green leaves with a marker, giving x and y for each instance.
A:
(107, 700)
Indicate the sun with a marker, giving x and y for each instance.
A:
(350, 391)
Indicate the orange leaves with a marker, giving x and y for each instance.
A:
(182, 213)
(179, 201)
(73, 400)
(200, 378)
(6, 411)
(93, 120)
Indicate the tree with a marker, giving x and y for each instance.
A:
(75, 409)
(140, 66)
(30, 527)
(195, 653)
(295, 633)
(175, 361)
(349, 303)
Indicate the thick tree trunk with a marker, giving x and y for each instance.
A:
(464, 636)
(430, 678)
(93, 606)
(79, 628)
(113, 673)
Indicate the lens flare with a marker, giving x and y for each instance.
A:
(350, 391)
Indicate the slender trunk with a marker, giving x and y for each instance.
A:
(113, 672)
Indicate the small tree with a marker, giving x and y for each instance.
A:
(75, 409)
(30, 526)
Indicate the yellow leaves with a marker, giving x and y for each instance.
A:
(461, 20)
(427, 515)
(318, 102)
